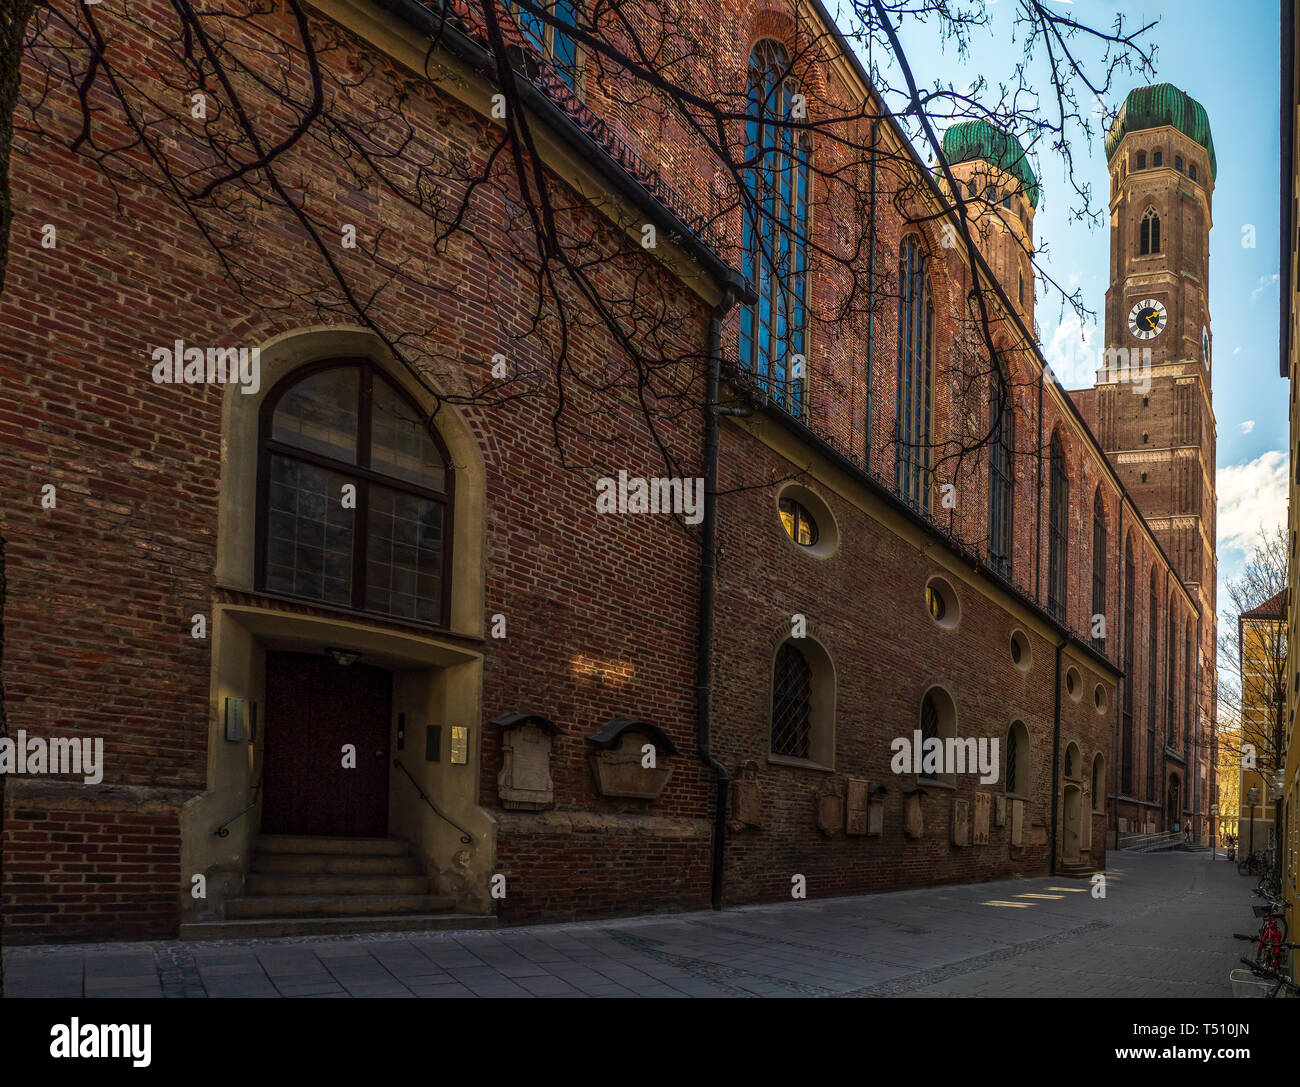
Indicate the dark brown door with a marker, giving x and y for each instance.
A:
(314, 708)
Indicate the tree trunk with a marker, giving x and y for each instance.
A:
(14, 15)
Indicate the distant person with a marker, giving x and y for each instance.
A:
(1187, 833)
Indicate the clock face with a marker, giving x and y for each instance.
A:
(1147, 319)
(1205, 346)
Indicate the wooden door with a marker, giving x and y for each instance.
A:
(314, 708)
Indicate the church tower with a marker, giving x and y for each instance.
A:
(1154, 411)
(1154, 415)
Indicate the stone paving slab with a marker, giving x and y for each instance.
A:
(1163, 929)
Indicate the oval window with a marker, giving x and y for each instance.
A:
(934, 602)
(799, 524)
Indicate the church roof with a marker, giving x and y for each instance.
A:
(1162, 104)
(970, 140)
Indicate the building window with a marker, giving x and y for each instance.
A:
(1178, 163)
(1171, 672)
(1001, 475)
(1098, 784)
(551, 42)
(340, 426)
(915, 331)
(1188, 699)
(1130, 619)
(1157, 158)
(1153, 665)
(1058, 531)
(1141, 161)
(1149, 233)
(1017, 776)
(1006, 201)
(1191, 171)
(798, 522)
(1098, 571)
(775, 238)
(1072, 760)
(938, 721)
(791, 703)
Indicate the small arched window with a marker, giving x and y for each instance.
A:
(1191, 170)
(1149, 233)
(1098, 621)
(1178, 163)
(1058, 529)
(938, 722)
(1017, 760)
(791, 703)
(1141, 161)
(913, 392)
(1071, 760)
(1157, 158)
(775, 230)
(355, 495)
(1001, 474)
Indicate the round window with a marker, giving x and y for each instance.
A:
(934, 602)
(799, 523)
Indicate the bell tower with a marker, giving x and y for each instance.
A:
(1155, 415)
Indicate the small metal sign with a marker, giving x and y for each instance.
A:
(459, 744)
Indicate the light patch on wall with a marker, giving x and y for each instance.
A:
(607, 671)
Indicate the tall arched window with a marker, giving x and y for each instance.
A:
(1153, 665)
(1189, 707)
(915, 332)
(938, 721)
(1057, 530)
(1171, 670)
(1098, 784)
(1001, 474)
(1098, 570)
(1130, 620)
(354, 495)
(772, 331)
(791, 703)
(1149, 233)
(1017, 760)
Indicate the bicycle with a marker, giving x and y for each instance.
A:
(1271, 940)
(1284, 982)
(1253, 864)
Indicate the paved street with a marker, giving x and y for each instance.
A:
(1163, 930)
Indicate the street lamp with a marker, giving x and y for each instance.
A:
(1252, 798)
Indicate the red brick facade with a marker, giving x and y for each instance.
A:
(601, 610)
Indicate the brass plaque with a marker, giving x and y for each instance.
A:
(459, 744)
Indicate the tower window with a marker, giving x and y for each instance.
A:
(1141, 161)
(1006, 201)
(1178, 163)
(1022, 288)
(1157, 158)
(972, 190)
(1191, 170)
(1149, 233)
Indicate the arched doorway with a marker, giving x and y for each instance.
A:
(1072, 823)
(1173, 803)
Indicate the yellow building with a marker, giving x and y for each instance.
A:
(1262, 663)
(1289, 335)
(1229, 782)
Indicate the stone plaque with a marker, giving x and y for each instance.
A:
(623, 771)
(980, 832)
(1017, 822)
(913, 820)
(960, 821)
(999, 810)
(746, 798)
(830, 808)
(525, 778)
(1038, 834)
(876, 818)
(856, 806)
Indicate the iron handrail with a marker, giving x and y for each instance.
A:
(464, 834)
(223, 831)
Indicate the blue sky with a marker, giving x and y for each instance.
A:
(1225, 55)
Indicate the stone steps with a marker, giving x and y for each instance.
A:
(373, 847)
(334, 864)
(317, 883)
(308, 905)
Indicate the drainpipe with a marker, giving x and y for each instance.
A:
(704, 658)
(871, 291)
(1056, 759)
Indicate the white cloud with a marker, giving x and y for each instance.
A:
(1236, 350)
(1251, 495)
(1264, 283)
(1074, 353)
(1247, 426)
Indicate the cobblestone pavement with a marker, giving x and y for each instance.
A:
(1163, 930)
